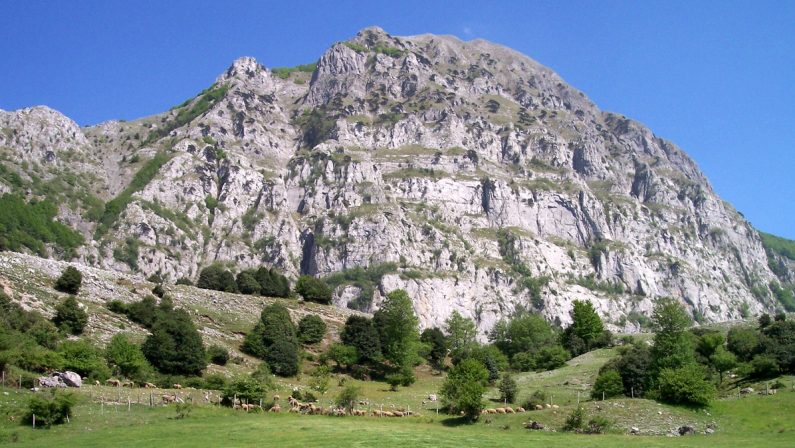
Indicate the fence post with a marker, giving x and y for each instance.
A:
(34, 421)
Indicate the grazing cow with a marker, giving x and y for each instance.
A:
(539, 407)
(275, 408)
(388, 414)
(113, 382)
(520, 409)
(500, 410)
(377, 413)
(129, 384)
(491, 411)
(177, 386)
(509, 410)
(150, 386)
(169, 399)
(554, 406)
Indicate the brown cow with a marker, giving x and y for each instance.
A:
(150, 386)
(113, 382)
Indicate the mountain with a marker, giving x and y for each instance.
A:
(464, 172)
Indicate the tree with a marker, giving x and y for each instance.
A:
(70, 281)
(218, 355)
(722, 360)
(634, 366)
(83, 358)
(586, 326)
(685, 385)
(607, 385)
(311, 329)
(708, 344)
(348, 397)
(272, 282)
(552, 357)
(175, 346)
(673, 347)
(320, 379)
(359, 332)
(525, 332)
(247, 283)
(313, 289)
(344, 355)
(216, 278)
(69, 317)
(245, 388)
(461, 334)
(282, 358)
(275, 325)
(437, 347)
(743, 342)
(126, 357)
(508, 389)
(464, 387)
(397, 326)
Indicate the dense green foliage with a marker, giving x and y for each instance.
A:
(247, 282)
(272, 282)
(246, 389)
(70, 280)
(607, 385)
(461, 334)
(463, 389)
(218, 355)
(436, 347)
(348, 397)
(51, 408)
(508, 389)
(175, 346)
(316, 126)
(311, 329)
(359, 332)
(32, 225)
(686, 385)
(274, 339)
(69, 317)
(140, 180)
(82, 357)
(313, 289)
(398, 329)
(366, 279)
(282, 358)
(216, 278)
(126, 357)
(673, 347)
(586, 331)
(27, 339)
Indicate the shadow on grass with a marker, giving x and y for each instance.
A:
(456, 421)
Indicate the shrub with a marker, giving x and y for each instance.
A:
(246, 389)
(217, 278)
(50, 408)
(311, 329)
(32, 225)
(550, 358)
(598, 424)
(359, 332)
(272, 283)
(508, 389)
(263, 374)
(348, 397)
(274, 326)
(82, 357)
(436, 347)
(69, 317)
(215, 381)
(344, 355)
(126, 357)
(537, 398)
(218, 355)
(282, 358)
(247, 283)
(175, 346)
(464, 387)
(159, 291)
(70, 281)
(313, 289)
(184, 281)
(143, 312)
(575, 422)
(765, 366)
(685, 385)
(523, 362)
(607, 385)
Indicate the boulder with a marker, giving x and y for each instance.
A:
(686, 430)
(534, 425)
(634, 430)
(71, 379)
(51, 381)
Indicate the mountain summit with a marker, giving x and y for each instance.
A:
(463, 172)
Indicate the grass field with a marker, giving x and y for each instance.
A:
(763, 421)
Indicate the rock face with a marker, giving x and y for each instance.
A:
(463, 172)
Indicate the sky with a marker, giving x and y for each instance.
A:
(715, 77)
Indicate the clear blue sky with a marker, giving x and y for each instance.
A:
(715, 77)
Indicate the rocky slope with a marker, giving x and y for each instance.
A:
(477, 179)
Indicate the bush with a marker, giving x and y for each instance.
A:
(313, 289)
(537, 398)
(575, 422)
(184, 281)
(32, 225)
(344, 355)
(282, 358)
(50, 409)
(159, 291)
(508, 389)
(272, 283)
(598, 425)
(607, 385)
(550, 358)
(359, 332)
(464, 387)
(218, 355)
(274, 326)
(311, 329)
(263, 374)
(437, 347)
(70, 281)
(83, 358)
(175, 346)
(685, 385)
(246, 389)
(523, 362)
(126, 356)
(348, 397)
(69, 317)
(215, 381)
(247, 283)
(765, 366)
(143, 312)
(217, 278)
